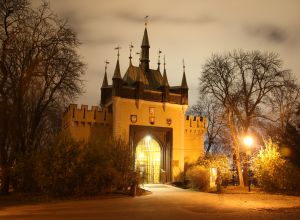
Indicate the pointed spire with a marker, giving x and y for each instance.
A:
(145, 51)
(145, 42)
(164, 62)
(165, 78)
(105, 82)
(130, 57)
(183, 82)
(117, 73)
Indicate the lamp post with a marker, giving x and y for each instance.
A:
(248, 141)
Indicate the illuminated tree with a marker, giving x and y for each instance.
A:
(241, 83)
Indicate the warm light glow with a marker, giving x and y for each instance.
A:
(148, 138)
(141, 156)
(213, 171)
(248, 141)
(147, 161)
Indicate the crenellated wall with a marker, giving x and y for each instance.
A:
(194, 130)
(87, 124)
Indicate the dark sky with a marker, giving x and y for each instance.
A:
(189, 29)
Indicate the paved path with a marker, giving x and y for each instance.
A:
(165, 202)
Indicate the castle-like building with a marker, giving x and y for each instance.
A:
(142, 108)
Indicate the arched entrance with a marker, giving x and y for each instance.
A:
(148, 159)
(162, 139)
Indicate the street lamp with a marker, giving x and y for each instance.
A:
(248, 141)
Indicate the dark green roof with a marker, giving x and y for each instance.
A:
(152, 79)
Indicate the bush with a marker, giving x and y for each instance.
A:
(220, 162)
(273, 172)
(198, 177)
(66, 167)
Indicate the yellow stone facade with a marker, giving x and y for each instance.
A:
(139, 105)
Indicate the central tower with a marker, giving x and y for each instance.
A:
(145, 52)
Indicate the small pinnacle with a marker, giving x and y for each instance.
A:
(164, 62)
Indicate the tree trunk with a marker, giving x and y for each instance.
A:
(4, 187)
(233, 134)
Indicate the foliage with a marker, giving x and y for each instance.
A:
(198, 177)
(218, 161)
(290, 139)
(40, 72)
(243, 84)
(198, 174)
(68, 168)
(273, 172)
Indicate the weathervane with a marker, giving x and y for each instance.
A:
(183, 65)
(159, 52)
(118, 48)
(106, 63)
(146, 20)
(140, 54)
(130, 49)
(164, 62)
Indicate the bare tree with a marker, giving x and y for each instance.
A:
(40, 72)
(209, 108)
(284, 104)
(241, 82)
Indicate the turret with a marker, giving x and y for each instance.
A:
(184, 88)
(165, 85)
(145, 52)
(104, 87)
(117, 79)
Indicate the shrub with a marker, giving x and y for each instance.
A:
(273, 172)
(220, 162)
(198, 177)
(66, 167)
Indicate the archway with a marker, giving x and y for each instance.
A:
(148, 159)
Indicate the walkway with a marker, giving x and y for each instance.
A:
(165, 202)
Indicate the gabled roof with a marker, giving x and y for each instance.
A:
(131, 75)
(152, 79)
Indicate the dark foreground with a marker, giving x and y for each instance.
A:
(165, 202)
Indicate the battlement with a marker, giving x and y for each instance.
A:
(84, 114)
(194, 124)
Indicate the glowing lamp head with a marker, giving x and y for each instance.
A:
(248, 141)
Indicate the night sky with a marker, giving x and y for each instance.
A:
(182, 29)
